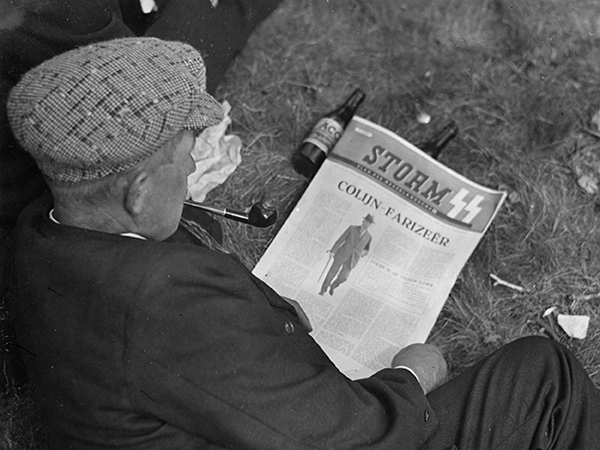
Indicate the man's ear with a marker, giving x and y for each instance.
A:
(136, 192)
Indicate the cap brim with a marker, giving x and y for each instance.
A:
(209, 112)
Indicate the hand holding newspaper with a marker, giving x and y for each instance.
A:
(375, 245)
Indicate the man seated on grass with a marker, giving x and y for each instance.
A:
(32, 31)
(133, 340)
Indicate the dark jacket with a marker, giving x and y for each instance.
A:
(136, 344)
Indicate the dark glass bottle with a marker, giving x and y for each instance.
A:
(324, 135)
(434, 146)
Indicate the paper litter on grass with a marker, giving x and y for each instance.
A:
(575, 326)
(216, 155)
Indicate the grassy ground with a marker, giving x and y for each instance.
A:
(521, 79)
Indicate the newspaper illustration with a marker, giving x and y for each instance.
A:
(375, 244)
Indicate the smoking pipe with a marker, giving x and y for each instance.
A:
(260, 214)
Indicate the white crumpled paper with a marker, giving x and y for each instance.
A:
(148, 6)
(216, 155)
(575, 326)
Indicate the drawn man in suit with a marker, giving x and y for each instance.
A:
(352, 245)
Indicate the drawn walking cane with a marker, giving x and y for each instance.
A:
(325, 268)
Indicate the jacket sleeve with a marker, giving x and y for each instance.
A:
(340, 241)
(215, 352)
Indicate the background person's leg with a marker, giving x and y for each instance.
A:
(218, 33)
(530, 394)
(12, 372)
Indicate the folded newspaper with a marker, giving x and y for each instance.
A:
(375, 244)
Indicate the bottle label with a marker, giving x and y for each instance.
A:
(325, 134)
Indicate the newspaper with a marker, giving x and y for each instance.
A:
(375, 244)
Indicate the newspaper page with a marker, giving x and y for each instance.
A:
(375, 244)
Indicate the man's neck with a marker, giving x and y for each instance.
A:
(127, 234)
(102, 218)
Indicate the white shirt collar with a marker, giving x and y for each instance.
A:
(129, 234)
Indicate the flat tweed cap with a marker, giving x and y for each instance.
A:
(100, 109)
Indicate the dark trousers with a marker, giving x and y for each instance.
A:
(341, 268)
(12, 372)
(218, 33)
(530, 394)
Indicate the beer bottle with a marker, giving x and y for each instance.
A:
(434, 146)
(324, 135)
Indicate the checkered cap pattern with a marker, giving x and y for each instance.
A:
(100, 109)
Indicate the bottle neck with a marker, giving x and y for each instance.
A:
(436, 144)
(345, 112)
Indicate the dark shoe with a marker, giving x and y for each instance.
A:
(331, 290)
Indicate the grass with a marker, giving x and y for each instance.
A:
(520, 78)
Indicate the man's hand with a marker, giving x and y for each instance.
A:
(301, 314)
(427, 362)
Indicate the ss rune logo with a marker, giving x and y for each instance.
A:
(460, 205)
